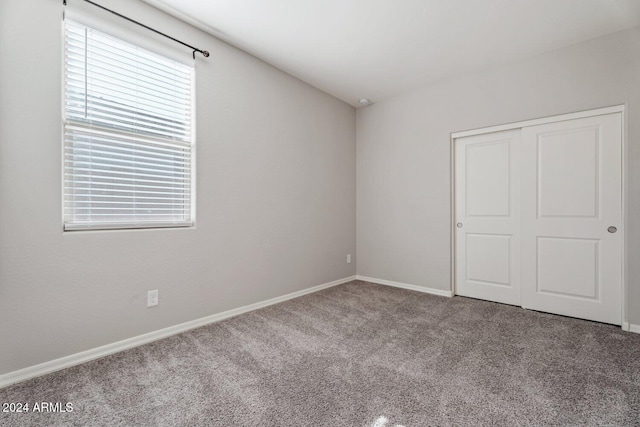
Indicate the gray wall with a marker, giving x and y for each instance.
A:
(403, 157)
(275, 198)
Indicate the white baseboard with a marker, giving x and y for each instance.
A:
(634, 328)
(116, 347)
(406, 286)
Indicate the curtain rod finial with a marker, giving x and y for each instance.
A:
(205, 53)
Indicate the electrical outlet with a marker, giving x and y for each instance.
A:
(152, 298)
(348, 258)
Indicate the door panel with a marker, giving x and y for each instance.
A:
(487, 245)
(487, 178)
(568, 267)
(488, 259)
(571, 194)
(568, 173)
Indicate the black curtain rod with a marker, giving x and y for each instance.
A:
(195, 49)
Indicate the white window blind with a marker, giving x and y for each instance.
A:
(127, 134)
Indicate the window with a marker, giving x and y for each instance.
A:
(127, 135)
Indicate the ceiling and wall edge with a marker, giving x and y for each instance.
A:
(210, 31)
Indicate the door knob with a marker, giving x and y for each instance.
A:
(459, 225)
(612, 229)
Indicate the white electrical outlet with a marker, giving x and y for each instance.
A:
(348, 258)
(152, 298)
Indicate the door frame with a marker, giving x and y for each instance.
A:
(534, 122)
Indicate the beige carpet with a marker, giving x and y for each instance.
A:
(358, 354)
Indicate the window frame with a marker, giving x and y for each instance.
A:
(189, 221)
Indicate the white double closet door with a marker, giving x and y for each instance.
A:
(538, 214)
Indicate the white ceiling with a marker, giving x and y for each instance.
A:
(380, 48)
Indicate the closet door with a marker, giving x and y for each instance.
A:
(487, 217)
(572, 218)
